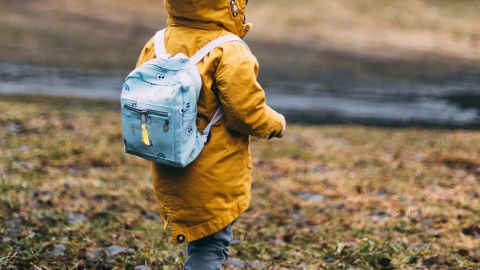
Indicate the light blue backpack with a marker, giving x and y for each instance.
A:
(159, 106)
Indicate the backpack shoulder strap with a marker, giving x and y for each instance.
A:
(198, 56)
(159, 46)
(216, 117)
(159, 43)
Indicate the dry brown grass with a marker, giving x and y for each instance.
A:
(108, 35)
(399, 29)
(325, 197)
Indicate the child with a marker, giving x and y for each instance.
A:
(201, 201)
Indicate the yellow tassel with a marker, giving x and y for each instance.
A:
(145, 138)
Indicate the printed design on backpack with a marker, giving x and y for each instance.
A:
(159, 106)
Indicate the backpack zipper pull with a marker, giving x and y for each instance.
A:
(145, 137)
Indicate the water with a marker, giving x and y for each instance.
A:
(383, 101)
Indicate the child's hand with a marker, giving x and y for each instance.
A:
(284, 123)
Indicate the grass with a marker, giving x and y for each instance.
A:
(325, 197)
(98, 34)
(400, 29)
(108, 35)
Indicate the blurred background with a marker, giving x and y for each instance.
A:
(413, 62)
(383, 173)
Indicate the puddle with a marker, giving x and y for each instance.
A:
(381, 101)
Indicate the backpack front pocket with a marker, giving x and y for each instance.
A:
(148, 133)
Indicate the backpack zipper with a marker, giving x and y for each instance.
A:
(146, 112)
(144, 121)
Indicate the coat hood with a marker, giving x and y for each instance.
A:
(208, 14)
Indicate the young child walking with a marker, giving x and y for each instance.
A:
(200, 202)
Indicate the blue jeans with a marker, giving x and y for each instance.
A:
(210, 252)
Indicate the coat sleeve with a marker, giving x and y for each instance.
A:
(242, 97)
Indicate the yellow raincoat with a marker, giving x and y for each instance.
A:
(214, 190)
